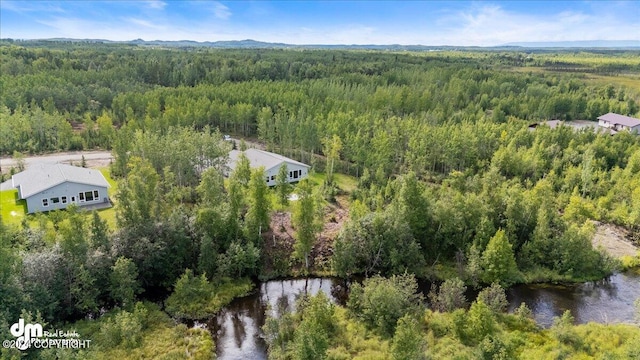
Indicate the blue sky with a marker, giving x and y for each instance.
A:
(476, 23)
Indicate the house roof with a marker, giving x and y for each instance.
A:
(40, 177)
(620, 119)
(259, 158)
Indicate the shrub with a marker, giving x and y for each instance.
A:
(125, 328)
(408, 342)
(494, 297)
(381, 302)
(449, 296)
(194, 297)
(480, 322)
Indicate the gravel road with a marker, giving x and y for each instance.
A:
(93, 159)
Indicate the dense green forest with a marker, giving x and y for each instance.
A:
(450, 184)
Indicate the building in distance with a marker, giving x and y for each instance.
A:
(609, 123)
(619, 122)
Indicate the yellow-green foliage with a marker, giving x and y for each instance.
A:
(485, 336)
(629, 262)
(155, 336)
(354, 339)
(596, 341)
(194, 297)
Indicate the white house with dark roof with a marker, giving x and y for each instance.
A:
(48, 187)
(271, 163)
(619, 122)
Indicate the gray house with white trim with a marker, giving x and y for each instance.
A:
(618, 122)
(47, 187)
(271, 163)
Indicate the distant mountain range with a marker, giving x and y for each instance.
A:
(253, 44)
(579, 44)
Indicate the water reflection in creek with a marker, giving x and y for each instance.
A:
(605, 301)
(237, 329)
(238, 335)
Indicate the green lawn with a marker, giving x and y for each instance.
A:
(344, 182)
(109, 214)
(12, 209)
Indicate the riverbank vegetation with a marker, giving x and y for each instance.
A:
(428, 155)
(385, 319)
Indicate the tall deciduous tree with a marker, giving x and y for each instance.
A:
(306, 219)
(242, 172)
(123, 282)
(211, 187)
(99, 237)
(283, 187)
(257, 219)
(332, 149)
(137, 195)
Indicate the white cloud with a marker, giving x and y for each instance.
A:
(492, 25)
(144, 23)
(221, 11)
(480, 24)
(155, 4)
(30, 6)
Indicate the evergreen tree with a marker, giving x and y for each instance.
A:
(207, 257)
(498, 260)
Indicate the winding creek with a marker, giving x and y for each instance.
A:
(237, 332)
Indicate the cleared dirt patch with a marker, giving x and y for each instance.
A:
(280, 239)
(614, 239)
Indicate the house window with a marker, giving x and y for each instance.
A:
(88, 195)
(290, 174)
(273, 177)
(267, 179)
(55, 200)
(295, 174)
(45, 202)
(64, 199)
(81, 197)
(73, 199)
(95, 194)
